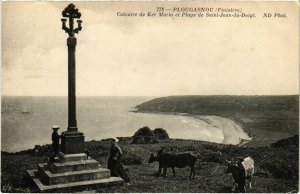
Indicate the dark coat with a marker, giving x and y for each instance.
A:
(114, 163)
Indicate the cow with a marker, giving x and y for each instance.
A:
(171, 160)
(241, 170)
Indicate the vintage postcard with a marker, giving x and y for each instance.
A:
(150, 96)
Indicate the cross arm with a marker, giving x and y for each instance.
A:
(79, 27)
(64, 27)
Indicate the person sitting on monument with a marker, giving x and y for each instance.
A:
(55, 143)
(114, 163)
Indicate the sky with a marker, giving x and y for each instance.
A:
(144, 56)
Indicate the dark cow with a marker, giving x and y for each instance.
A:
(241, 171)
(170, 160)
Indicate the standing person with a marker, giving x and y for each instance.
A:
(114, 163)
(55, 143)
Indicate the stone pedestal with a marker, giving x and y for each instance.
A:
(73, 170)
(72, 142)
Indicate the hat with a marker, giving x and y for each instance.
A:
(55, 127)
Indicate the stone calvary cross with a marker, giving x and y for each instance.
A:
(72, 140)
(72, 168)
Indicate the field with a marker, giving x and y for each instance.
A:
(276, 167)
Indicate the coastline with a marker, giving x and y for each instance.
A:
(232, 131)
(230, 126)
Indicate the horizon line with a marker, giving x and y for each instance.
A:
(154, 95)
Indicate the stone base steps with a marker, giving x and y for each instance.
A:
(111, 181)
(50, 178)
(61, 167)
(72, 170)
(71, 157)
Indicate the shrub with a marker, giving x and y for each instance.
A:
(283, 161)
(288, 142)
(161, 133)
(281, 169)
(144, 131)
(144, 136)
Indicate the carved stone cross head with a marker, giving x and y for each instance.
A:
(71, 13)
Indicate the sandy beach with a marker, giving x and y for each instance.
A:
(231, 131)
(210, 128)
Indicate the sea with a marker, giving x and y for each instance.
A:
(27, 121)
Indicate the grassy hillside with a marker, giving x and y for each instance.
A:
(276, 166)
(266, 118)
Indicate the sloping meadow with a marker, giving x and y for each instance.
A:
(276, 166)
